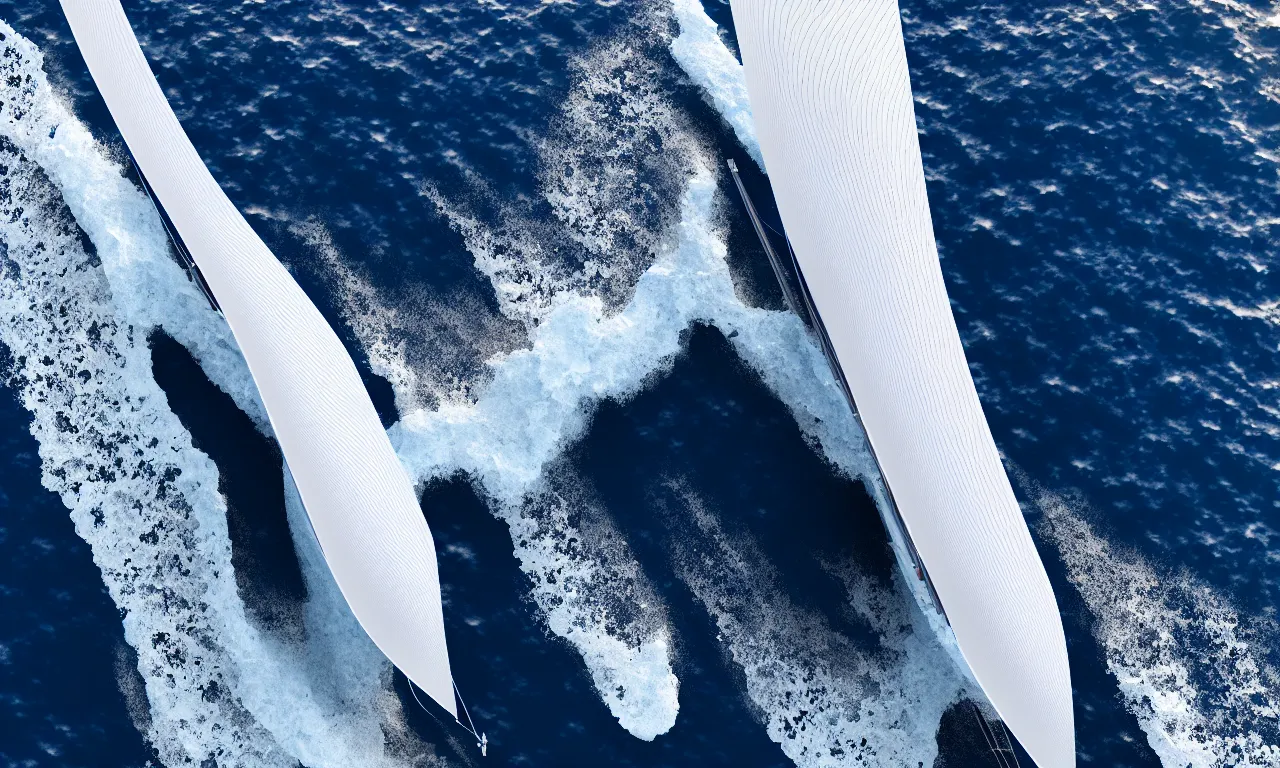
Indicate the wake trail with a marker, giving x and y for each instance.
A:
(703, 55)
(220, 689)
(1189, 668)
(828, 701)
(142, 497)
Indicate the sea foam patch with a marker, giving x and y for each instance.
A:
(429, 348)
(703, 55)
(826, 699)
(594, 296)
(1189, 668)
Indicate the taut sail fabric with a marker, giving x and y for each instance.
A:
(360, 500)
(831, 96)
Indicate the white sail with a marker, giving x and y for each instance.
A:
(831, 96)
(358, 496)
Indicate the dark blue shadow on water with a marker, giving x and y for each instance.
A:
(250, 474)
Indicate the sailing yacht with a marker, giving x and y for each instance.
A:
(831, 98)
(358, 497)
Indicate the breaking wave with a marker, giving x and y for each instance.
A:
(1189, 668)
(219, 689)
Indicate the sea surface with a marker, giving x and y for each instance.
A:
(650, 505)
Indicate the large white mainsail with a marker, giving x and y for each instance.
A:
(358, 496)
(831, 97)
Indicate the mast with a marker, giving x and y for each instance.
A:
(184, 256)
(779, 270)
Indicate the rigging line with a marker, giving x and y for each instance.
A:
(775, 262)
(1002, 752)
(413, 689)
(774, 231)
(458, 693)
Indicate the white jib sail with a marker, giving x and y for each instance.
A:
(360, 500)
(831, 97)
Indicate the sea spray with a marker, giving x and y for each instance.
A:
(704, 57)
(147, 285)
(1189, 668)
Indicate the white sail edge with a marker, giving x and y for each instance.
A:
(831, 98)
(358, 496)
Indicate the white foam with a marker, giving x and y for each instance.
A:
(540, 399)
(611, 169)
(703, 55)
(140, 494)
(142, 497)
(1191, 671)
(616, 148)
(429, 349)
(827, 700)
(537, 401)
(147, 285)
(594, 595)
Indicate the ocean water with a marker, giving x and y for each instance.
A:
(656, 524)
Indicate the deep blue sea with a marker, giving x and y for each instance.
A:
(656, 546)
